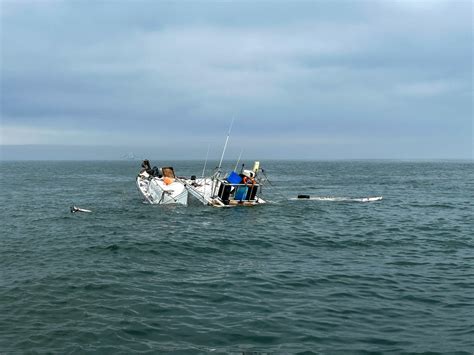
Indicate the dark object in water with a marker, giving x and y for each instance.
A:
(303, 196)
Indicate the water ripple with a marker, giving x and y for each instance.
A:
(290, 277)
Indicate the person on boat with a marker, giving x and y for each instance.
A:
(249, 181)
(149, 170)
(146, 164)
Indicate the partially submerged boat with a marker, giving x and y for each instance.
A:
(161, 187)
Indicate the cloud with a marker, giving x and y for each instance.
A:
(116, 70)
(436, 88)
(30, 135)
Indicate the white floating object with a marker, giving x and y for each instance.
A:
(338, 199)
(75, 209)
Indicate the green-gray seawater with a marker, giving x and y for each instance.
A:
(395, 275)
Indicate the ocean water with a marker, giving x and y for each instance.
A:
(329, 274)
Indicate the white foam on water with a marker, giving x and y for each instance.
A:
(340, 199)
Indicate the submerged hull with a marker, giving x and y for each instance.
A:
(156, 192)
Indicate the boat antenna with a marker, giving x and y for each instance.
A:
(205, 162)
(225, 145)
(238, 160)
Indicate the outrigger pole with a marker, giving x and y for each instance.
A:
(225, 145)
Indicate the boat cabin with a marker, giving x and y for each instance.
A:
(238, 188)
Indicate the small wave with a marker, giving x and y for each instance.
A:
(112, 247)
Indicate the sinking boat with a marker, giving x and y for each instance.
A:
(161, 187)
(227, 190)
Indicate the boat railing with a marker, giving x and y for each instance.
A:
(248, 185)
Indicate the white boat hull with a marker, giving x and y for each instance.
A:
(156, 192)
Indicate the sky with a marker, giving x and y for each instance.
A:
(300, 79)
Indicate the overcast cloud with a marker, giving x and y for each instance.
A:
(304, 79)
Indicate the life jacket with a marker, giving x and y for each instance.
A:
(248, 181)
(168, 180)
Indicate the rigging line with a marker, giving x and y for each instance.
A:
(205, 162)
(162, 197)
(274, 187)
(238, 160)
(226, 141)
